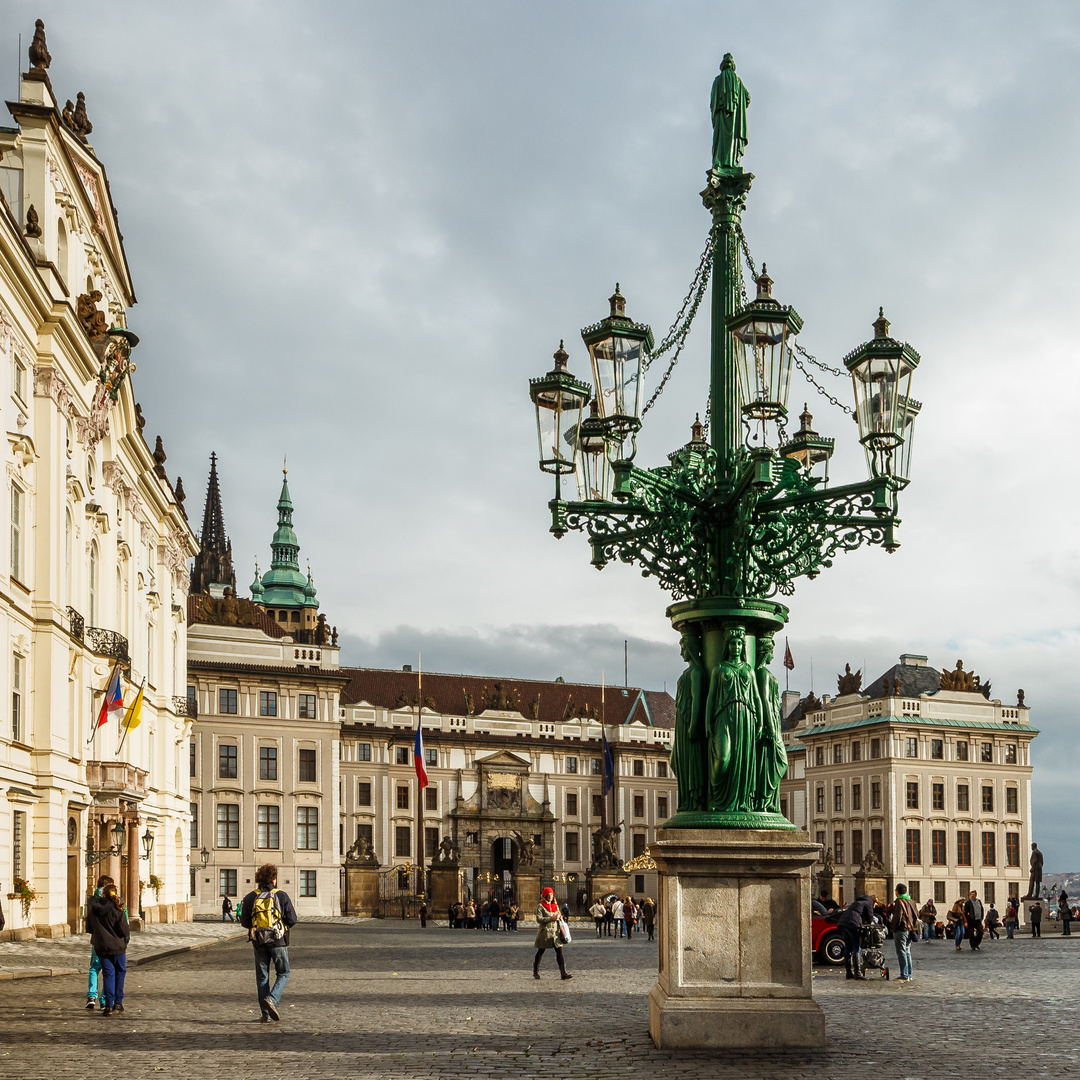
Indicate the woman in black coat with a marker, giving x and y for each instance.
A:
(109, 934)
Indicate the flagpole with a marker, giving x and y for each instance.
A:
(128, 716)
(420, 853)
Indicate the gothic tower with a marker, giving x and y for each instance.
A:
(213, 570)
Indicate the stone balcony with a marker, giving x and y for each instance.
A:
(116, 779)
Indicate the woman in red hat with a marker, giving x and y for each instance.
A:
(547, 933)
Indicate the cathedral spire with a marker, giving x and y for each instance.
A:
(213, 565)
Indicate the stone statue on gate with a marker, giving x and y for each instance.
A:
(729, 101)
(688, 746)
(771, 752)
(606, 848)
(449, 849)
(526, 850)
(361, 851)
(1035, 864)
(733, 715)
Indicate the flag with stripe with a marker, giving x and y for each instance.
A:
(113, 701)
(789, 662)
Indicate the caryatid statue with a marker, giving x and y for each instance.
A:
(771, 753)
(733, 728)
(729, 102)
(1036, 867)
(688, 745)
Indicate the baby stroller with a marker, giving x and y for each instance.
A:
(871, 938)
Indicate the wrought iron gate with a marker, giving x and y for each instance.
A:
(401, 891)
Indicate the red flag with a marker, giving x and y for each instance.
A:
(789, 663)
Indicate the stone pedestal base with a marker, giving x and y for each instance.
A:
(873, 885)
(827, 885)
(734, 941)
(445, 889)
(361, 890)
(527, 886)
(602, 882)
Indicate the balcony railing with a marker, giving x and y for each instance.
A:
(76, 623)
(107, 643)
(116, 778)
(186, 706)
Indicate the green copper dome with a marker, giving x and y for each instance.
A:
(257, 587)
(283, 584)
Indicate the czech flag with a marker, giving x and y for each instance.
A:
(789, 660)
(418, 755)
(113, 701)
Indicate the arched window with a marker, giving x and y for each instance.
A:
(67, 558)
(91, 610)
(61, 249)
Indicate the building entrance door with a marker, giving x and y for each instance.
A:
(74, 890)
(503, 856)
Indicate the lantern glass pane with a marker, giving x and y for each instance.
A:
(595, 476)
(880, 385)
(763, 367)
(617, 369)
(558, 414)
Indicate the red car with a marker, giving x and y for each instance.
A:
(827, 943)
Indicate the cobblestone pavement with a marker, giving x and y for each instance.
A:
(47, 956)
(372, 999)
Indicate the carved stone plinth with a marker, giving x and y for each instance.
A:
(445, 888)
(602, 882)
(527, 886)
(872, 884)
(361, 889)
(827, 884)
(734, 941)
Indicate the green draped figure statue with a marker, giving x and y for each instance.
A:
(772, 756)
(729, 102)
(688, 745)
(733, 716)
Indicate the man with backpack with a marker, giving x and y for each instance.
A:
(904, 924)
(268, 914)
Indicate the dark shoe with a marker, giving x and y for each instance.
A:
(90, 1003)
(106, 1011)
(118, 1008)
(566, 975)
(264, 1019)
(850, 975)
(270, 1007)
(536, 974)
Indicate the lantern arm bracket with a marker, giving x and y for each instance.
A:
(881, 490)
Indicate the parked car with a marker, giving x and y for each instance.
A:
(827, 943)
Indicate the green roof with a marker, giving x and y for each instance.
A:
(981, 725)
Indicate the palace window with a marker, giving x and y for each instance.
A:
(911, 747)
(403, 755)
(989, 849)
(1012, 849)
(431, 798)
(939, 855)
(661, 807)
(989, 892)
(838, 797)
(191, 756)
(875, 794)
(226, 762)
(431, 755)
(267, 703)
(308, 880)
(1010, 753)
(268, 827)
(856, 846)
(914, 891)
(820, 799)
(226, 883)
(961, 750)
(912, 799)
(363, 751)
(838, 845)
(307, 707)
(639, 806)
(597, 767)
(838, 754)
(598, 806)
(571, 804)
(937, 749)
(402, 798)
(403, 841)
(193, 832)
(937, 796)
(1012, 801)
(363, 794)
(16, 699)
(913, 846)
(819, 756)
(819, 839)
(307, 828)
(227, 702)
(431, 843)
(573, 846)
(228, 825)
(856, 796)
(571, 764)
(987, 751)
(638, 841)
(639, 767)
(856, 751)
(661, 769)
(267, 762)
(963, 848)
(988, 799)
(939, 892)
(16, 534)
(876, 845)
(307, 766)
(963, 803)
(367, 832)
(875, 748)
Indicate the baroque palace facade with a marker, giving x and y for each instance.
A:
(924, 770)
(295, 759)
(93, 554)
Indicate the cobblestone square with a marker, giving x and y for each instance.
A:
(385, 999)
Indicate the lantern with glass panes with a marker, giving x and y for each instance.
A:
(809, 448)
(881, 371)
(619, 348)
(559, 399)
(763, 332)
(595, 441)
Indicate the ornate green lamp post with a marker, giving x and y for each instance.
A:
(727, 527)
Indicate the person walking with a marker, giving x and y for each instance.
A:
(859, 912)
(1035, 911)
(514, 916)
(928, 918)
(268, 914)
(905, 927)
(609, 918)
(1012, 916)
(226, 909)
(629, 916)
(95, 986)
(1064, 913)
(993, 921)
(597, 912)
(973, 915)
(547, 933)
(956, 922)
(617, 916)
(423, 914)
(648, 916)
(109, 935)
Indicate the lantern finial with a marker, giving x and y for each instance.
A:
(764, 284)
(697, 430)
(561, 356)
(618, 303)
(881, 324)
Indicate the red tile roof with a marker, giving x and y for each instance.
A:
(470, 695)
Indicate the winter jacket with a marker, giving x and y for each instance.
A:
(108, 925)
(284, 906)
(547, 929)
(858, 913)
(928, 913)
(973, 911)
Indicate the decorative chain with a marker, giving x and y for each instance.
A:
(680, 328)
(818, 387)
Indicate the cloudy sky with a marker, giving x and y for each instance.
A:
(356, 229)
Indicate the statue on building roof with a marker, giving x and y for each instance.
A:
(33, 225)
(850, 682)
(83, 127)
(180, 493)
(1019, 699)
(67, 116)
(333, 636)
(160, 457)
(140, 420)
(93, 321)
(959, 679)
(38, 51)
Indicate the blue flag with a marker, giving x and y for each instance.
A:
(609, 765)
